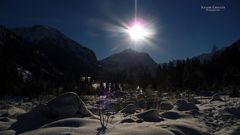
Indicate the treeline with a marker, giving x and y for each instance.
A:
(221, 72)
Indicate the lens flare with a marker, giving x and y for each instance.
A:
(137, 32)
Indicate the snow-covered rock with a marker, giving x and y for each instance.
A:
(66, 105)
(181, 102)
(131, 119)
(183, 105)
(171, 115)
(151, 115)
(129, 109)
(216, 97)
(166, 106)
(68, 122)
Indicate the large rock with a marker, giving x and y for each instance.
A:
(129, 109)
(151, 115)
(216, 97)
(166, 106)
(183, 105)
(66, 105)
(181, 102)
(70, 122)
(171, 115)
(63, 106)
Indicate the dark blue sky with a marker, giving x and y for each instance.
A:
(182, 28)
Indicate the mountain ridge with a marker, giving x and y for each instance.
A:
(37, 34)
(42, 64)
(61, 50)
(129, 56)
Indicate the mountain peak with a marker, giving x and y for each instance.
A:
(129, 50)
(130, 53)
(127, 60)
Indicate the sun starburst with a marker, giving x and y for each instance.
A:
(137, 32)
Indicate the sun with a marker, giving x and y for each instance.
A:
(137, 31)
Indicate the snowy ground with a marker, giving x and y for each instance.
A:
(66, 115)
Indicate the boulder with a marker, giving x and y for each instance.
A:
(68, 122)
(151, 115)
(129, 109)
(128, 120)
(171, 115)
(181, 102)
(216, 97)
(65, 105)
(166, 106)
(183, 105)
(194, 112)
